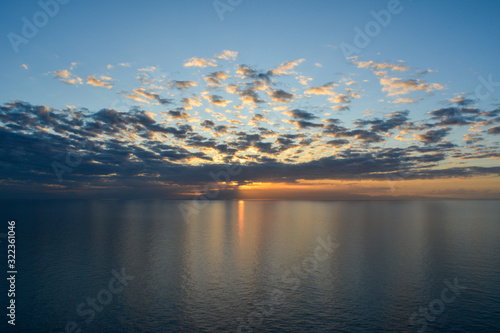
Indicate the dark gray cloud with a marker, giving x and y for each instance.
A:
(391, 121)
(124, 151)
(494, 130)
(455, 116)
(301, 114)
(433, 136)
(281, 96)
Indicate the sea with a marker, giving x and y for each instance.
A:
(251, 266)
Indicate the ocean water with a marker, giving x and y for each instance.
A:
(255, 266)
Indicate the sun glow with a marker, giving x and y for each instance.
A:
(241, 218)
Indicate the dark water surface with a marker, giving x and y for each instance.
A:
(282, 266)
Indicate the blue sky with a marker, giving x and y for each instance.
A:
(430, 57)
(455, 38)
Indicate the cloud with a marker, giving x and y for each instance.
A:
(144, 96)
(245, 72)
(257, 118)
(280, 96)
(215, 78)
(62, 74)
(395, 86)
(300, 114)
(136, 98)
(200, 62)
(24, 66)
(98, 83)
(360, 135)
(462, 101)
(405, 100)
(326, 89)
(303, 80)
(228, 55)
(337, 143)
(248, 94)
(217, 100)
(142, 92)
(455, 116)
(177, 114)
(286, 68)
(265, 126)
(340, 107)
(433, 136)
(494, 130)
(379, 66)
(472, 138)
(147, 69)
(427, 71)
(132, 150)
(189, 102)
(67, 77)
(391, 121)
(184, 84)
(340, 99)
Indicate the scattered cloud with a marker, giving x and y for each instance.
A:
(216, 78)
(286, 68)
(395, 86)
(189, 102)
(217, 100)
(228, 55)
(405, 100)
(433, 136)
(494, 130)
(93, 81)
(259, 119)
(461, 100)
(326, 89)
(67, 77)
(200, 62)
(184, 84)
(144, 96)
(379, 66)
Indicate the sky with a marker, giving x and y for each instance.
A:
(238, 99)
